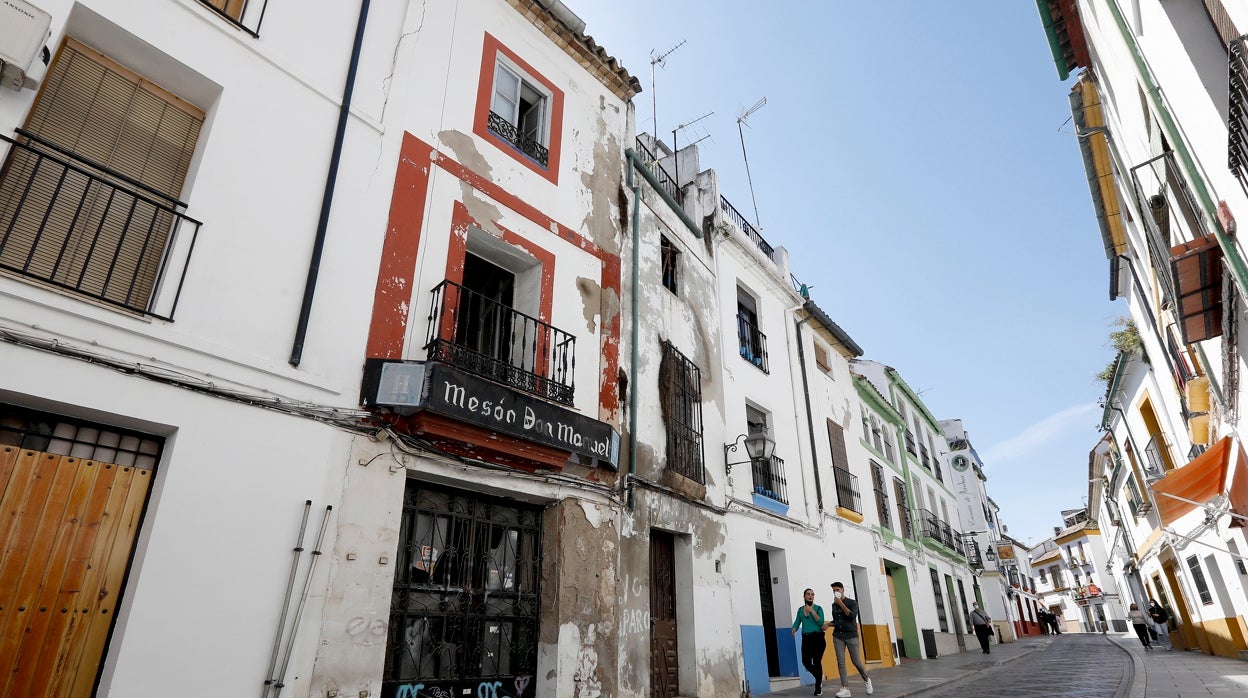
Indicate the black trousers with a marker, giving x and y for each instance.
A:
(983, 632)
(1141, 631)
(813, 647)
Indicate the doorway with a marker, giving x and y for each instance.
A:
(664, 662)
(767, 602)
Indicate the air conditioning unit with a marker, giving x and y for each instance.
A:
(23, 29)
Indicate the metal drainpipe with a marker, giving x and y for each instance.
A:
(632, 358)
(1236, 263)
(327, 200)
(810, 422)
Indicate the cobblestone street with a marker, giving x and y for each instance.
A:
(1070, 665)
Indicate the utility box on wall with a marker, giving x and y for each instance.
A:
(23, 29)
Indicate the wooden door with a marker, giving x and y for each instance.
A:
(67, 529)
(664, 666)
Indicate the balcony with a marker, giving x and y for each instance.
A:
(1155, 457)
(1237, 136)
(847, 496)
(1165, 201)
(910, 443)
(666, 181)
(753, 343)
(735, 216)
(769, 479)
(71, 223)
(244, 14)
(489, 339)
(941, 532)
(509, 132)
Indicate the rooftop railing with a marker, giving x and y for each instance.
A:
(735, 216)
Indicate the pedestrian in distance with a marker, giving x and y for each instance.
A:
(812, 622)
(1042, 619)
(845, 636)
(981, 623)
(1159, 616)
(1140, 622)
(1053, 623)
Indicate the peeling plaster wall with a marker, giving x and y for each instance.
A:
(708, 649)
(355, 624)
(577, 652)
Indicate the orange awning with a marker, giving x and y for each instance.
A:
(1204, 478)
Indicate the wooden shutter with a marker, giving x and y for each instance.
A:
(67, 529)
(231, 8)
(101, 235)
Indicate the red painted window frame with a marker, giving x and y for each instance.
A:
(491, 48)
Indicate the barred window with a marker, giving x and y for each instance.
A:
(680, 389)
(904, 522)
(881, 495)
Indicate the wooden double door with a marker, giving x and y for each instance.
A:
(67, 531)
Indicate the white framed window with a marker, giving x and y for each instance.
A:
(523, 103)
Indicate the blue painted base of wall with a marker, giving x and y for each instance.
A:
(755, 650)
(790, 651)
(762, 500)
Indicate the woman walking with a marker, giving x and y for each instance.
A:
(1140, 622)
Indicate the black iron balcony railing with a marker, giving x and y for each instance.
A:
(927, 464)
(666, 181)
(77, 225)
(769, 479)
(1165, 200)
(1237, 112)
(753, 343)
(941, 532)
(1155, 456)
(492, 340)
(847, 495)
(910, 443)
(507, 131)
(244, 14)
(749, 230)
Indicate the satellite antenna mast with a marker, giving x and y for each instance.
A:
(675, 157)
(744, 120)
(659, 59)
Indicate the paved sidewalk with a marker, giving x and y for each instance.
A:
(1157, 674)
(1180, 673)
(917, 677)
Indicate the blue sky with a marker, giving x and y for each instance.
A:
(916, 159)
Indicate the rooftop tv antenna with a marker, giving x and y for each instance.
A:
(659, 59)
(678, 129)
(744, 120)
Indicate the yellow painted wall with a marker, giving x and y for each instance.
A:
(875, 636)
(1226, 636)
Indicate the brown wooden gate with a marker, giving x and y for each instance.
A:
(67, 529)
(664, 666)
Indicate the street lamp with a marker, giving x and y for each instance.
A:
(758, 446)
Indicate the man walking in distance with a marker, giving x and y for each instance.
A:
(983, 630)
(845, 635)
(811, 621)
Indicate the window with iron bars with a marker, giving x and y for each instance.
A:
(881, 495)
(903, 509)
(670, 262)
(1198, 578)
(680, 389)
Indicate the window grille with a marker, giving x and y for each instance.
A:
(680, 388)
